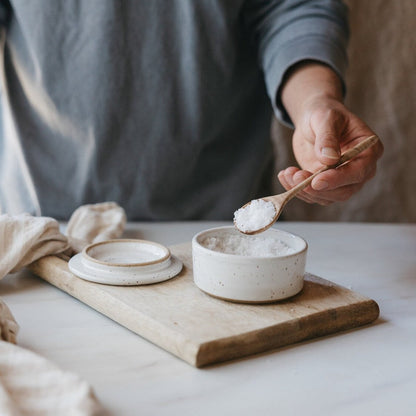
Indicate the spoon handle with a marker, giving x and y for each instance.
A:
(357, 149)
(345, 157)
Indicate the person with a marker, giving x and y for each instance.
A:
(165, 107)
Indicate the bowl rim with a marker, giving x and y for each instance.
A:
(87, 257)
(195, 242)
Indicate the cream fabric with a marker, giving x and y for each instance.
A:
(24, 239)
(30, 384)
(33, 386)
(8, 325)
(94, 223)
(381, 89)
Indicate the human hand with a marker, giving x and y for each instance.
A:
(326, 129)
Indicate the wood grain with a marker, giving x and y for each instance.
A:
(202, 330)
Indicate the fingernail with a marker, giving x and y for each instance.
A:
(320, 185)
(330, 152)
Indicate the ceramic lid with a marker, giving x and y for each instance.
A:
(125, 262)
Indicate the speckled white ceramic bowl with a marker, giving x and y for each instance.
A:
(249, 279)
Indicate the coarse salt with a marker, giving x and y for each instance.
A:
(244, 245)
(254, 216)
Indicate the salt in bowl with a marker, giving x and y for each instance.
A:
(250, 269)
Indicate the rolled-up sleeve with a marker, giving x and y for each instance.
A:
(289, 31)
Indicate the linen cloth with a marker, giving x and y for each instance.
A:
(30, 384)
(8, 325)
(33, 386)
(95, 222)
(24, 239)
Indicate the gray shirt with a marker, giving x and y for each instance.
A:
(162, 106)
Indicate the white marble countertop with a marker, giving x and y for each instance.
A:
(366, 371)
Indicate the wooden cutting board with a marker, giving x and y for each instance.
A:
(202, 330)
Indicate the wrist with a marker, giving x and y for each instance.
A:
(307, 85)
(319, 102)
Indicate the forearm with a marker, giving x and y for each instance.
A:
(307, 82)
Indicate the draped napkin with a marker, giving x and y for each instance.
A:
(30, 384)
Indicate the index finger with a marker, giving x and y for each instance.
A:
(358, 170)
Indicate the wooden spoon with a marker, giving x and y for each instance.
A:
(280, 200)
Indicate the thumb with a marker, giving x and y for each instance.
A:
(327, 140)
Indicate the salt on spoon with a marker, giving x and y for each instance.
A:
(260, 214)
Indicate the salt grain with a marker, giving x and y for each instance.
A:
(244, 245)
(254, 216)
